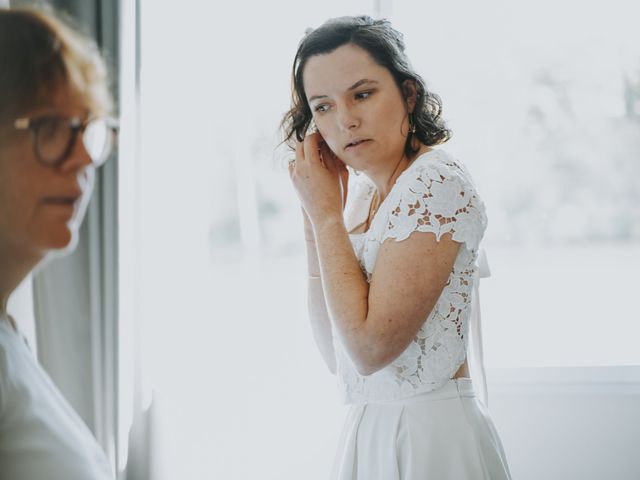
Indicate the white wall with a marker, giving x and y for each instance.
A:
(568, 423)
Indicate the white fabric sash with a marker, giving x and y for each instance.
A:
(475, 353)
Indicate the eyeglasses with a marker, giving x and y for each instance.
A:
(54, 137)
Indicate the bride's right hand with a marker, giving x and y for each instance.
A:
(333, 163)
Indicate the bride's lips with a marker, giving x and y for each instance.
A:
(356, 142)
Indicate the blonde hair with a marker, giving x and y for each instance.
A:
(39, 56)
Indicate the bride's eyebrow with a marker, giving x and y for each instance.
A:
(364, 81)
(316, 97)
(359, 83)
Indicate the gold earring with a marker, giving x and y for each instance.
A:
(412, 125)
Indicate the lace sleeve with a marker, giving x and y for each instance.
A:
(437, 198)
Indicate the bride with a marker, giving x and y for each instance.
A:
(391, 258)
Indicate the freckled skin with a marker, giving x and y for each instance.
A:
(377, 320)
(376, 111)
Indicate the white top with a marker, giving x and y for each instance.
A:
(41, 436)
(434, 194)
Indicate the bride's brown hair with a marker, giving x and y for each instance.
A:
(386, 47)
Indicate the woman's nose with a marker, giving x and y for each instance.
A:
(78, 158)
(347, 119)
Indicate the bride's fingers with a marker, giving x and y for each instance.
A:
(300, 151)
(325, 154)
(330, 160)
(311, 147)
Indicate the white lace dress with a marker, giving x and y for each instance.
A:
(410, 420)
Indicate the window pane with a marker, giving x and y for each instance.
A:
(544, 101)
(240, 388)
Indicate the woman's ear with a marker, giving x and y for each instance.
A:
(410, 93)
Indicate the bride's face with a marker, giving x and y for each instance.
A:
(357, 107)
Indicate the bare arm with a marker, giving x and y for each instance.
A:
(377, 321)
(317, 307)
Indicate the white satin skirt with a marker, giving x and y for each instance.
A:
(446, 434)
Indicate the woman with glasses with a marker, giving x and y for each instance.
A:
(391, 256)
(54, 132)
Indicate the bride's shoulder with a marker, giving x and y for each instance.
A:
(437, 164)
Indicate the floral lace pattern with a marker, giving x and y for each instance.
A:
(435, 194)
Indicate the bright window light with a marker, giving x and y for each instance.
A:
(545, 111)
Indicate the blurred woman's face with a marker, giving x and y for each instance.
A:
(357, 107)
(41, 206)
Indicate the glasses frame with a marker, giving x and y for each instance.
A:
(75, 125)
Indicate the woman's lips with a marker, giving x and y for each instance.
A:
(61, 200)
(354, 144)
(68, 204)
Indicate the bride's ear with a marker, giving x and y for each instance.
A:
(410, 93)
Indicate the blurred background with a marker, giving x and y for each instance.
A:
(213, 360)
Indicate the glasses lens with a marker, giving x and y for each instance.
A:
(98, 140)
(53, 136)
